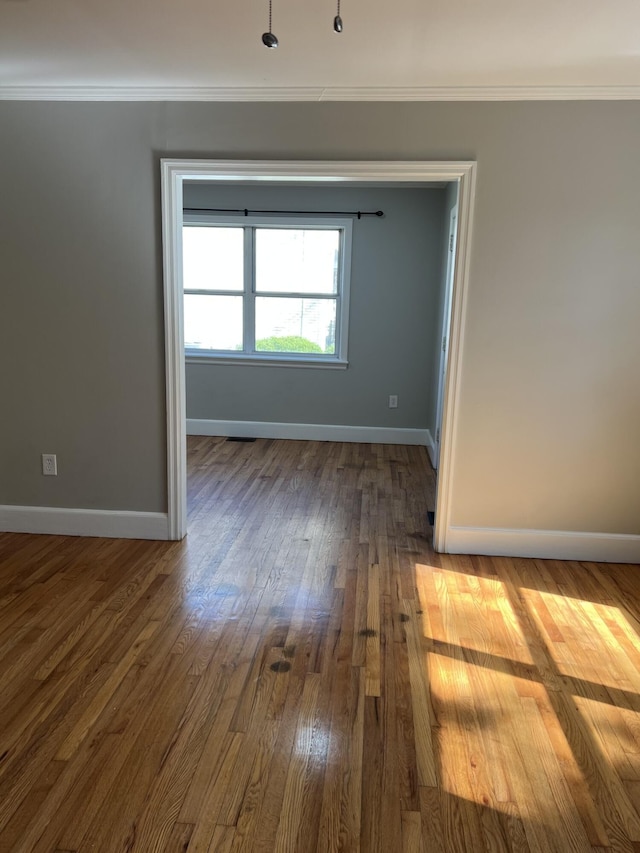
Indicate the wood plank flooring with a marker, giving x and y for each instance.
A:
(304, 675)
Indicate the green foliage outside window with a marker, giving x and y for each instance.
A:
(288, 343)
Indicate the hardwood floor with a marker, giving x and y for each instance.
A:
(304, 675)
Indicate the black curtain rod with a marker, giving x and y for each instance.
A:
(246, 211)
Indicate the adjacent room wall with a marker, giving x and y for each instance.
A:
(549, 412)
(395, 275)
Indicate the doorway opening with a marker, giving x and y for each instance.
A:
(301, 173)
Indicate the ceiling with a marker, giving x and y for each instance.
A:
(401, 50)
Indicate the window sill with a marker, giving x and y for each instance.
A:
(195, 357)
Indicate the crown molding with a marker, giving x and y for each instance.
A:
(485, 93)
(316, 94)
(157, 93)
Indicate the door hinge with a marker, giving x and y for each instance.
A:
(444, 344)
(438, 434)
(451, 242)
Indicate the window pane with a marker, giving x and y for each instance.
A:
(295, 325)
(297, 261)
(213, 258)
(213, 322)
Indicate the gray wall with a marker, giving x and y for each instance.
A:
(81, 319)
(395, 276)
(549, 412)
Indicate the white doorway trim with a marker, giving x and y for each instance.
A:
(446, 323)
(414, 173)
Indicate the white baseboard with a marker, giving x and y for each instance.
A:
(544, 544)
(112, 524)
(309, 432)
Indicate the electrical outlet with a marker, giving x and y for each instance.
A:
(49, 465)
(393, 401)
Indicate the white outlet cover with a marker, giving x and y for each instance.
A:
(49, 465)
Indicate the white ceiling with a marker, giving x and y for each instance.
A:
(398, 49)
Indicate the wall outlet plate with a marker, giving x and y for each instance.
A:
(49, 465)
(393, 401)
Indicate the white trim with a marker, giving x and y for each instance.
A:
(544, 544)
(192, 356)
(304, 173)
(309, 172)
(174, 351)
(484, 93)
(319, 93)
(452, 381)
(443, 348)
(431, 449)
(84, 522)
(310, 432)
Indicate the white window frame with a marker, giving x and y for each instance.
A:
(339, 359)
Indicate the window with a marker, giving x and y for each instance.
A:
(274, 290)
